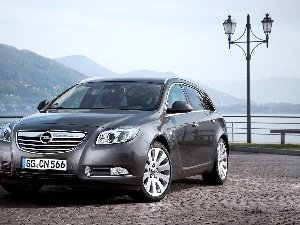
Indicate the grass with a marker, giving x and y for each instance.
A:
(274, 146)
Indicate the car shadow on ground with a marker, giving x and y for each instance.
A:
(56, 196)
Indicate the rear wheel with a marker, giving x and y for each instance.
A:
(157, 175)
(19, 189)
(219, 173)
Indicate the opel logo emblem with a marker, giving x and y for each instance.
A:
(46, 138)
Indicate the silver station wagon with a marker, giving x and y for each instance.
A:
(130, 134)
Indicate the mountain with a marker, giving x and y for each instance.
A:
(219, 98)
(228, 97)
(222, 99)
(26, 78)
(271, 90)
(276, 89)
(91, 68)
(85, 66)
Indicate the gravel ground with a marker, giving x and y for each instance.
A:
(260, 189)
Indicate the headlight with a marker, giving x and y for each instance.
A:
(119, 135)
(5, 133)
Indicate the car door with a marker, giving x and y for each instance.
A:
(205, 126)
(185, 131)
(214, 121)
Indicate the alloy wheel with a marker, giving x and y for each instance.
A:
(222, 159)
(157, 175)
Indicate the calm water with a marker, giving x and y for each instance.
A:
(261, 127)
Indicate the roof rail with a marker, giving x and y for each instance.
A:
(90, 79)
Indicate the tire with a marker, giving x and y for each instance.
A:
(219, 172)
(21, 189)
(157, 175)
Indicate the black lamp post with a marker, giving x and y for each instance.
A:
(229, 28)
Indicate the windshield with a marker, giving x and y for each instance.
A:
(110, 95)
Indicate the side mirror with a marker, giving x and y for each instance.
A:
(180, 107)
(42, 104)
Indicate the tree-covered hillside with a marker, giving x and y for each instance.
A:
(27, 78)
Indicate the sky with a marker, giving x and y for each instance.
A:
(182, 36)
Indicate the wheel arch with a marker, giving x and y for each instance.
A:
(225, 138)
(162, 139)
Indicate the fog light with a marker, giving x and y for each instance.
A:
(87, 171)
(115, 171)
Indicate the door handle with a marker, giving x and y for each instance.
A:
(212, 120)
(195, 124)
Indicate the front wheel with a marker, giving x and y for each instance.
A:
(19, 189)
(219, 173)
(157, 175)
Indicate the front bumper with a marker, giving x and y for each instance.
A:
(89, 164)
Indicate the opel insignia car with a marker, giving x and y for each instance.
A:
(130, 134)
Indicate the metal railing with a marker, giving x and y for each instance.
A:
(261, 126)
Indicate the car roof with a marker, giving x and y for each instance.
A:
(155, 80)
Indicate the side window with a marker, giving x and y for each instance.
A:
(195, 98)
(175, 94)
(208, 103)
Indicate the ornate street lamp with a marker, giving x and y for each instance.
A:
(229, 28)
(267, 26)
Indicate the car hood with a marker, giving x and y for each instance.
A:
(84, 120)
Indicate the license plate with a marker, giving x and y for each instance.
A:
(44, 164)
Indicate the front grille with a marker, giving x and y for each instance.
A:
(45, 174)
(49, 142)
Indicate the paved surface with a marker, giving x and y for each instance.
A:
(261, 189)
(265, 150)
